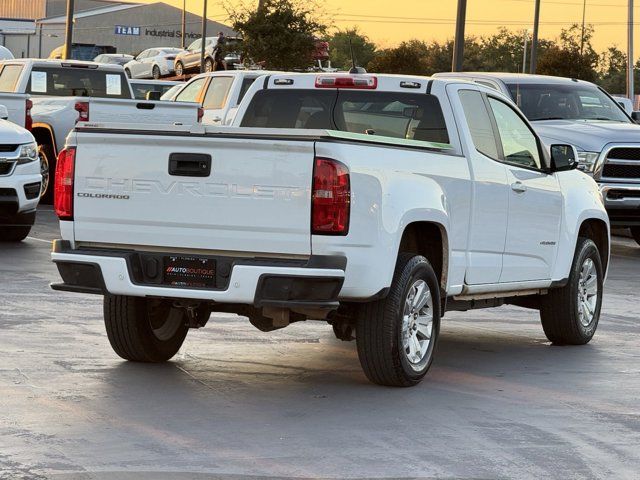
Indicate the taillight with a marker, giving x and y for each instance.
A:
(170, 57)
(200, 113)
(351, 81)
(83, 111)
(330, 198)
(28, 119)
(63, 184)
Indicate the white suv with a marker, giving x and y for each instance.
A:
(20, 180)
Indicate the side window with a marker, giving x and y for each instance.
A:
(479, 123)
(246, 83)
(152, 53)
(191, 92)
(195, 45)
(217, 92)
(142, 55)
(9, 77)
(519, 144)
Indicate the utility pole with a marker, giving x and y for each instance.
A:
(184, 21)
(534, 41)
(584, 11)
(204, 36)
(458, 45)
(630, 89)
(69, 30)
(524, 52)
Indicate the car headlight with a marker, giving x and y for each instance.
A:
(587, 161)
(28, 153)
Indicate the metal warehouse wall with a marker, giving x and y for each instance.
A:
(31, 9)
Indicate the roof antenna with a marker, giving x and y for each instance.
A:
(354, 66)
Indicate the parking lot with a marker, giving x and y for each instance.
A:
(499, 402)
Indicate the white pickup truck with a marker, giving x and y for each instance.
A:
(374, 202)
(20, 180)
(219, 93)
(63, 92)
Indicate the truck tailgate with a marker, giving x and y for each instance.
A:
(140, 190)
(142, 112)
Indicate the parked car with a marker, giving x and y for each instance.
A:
(582, 114)
(153, 63)
(219, 93)
(189, 60)
(376, 203)
(63, 92)
(82, 51)
(113, 58)
(20, 180)
(141, 88)
(5, 53)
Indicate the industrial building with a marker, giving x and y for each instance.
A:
(35, 28)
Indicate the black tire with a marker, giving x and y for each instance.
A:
(208, 65)
(379, 327)
(560, 308)
(127, 72)
(13, 234)
(179, 70)
(635, 233)
(130, 323)
(155, 72)
(48, 162)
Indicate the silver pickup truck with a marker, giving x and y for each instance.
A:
(566, 110)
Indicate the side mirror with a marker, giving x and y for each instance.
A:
(635, 116)
(153, 95)
(563, 158)
(4, 113)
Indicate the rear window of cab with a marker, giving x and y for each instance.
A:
(78, 82)
(408, 116)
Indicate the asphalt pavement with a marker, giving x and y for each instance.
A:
(239, 404)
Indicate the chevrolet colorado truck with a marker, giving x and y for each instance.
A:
(376, 203)
(580, 113)
(62, 92)
(20, 180)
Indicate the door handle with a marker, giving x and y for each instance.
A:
(189, 165)
(518, 187)
(216, 119)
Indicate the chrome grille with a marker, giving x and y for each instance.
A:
(622, 163)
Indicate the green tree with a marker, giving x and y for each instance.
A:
(340, 53)
(571, 56)
(280, 35)
(409, 58)
(613, 74)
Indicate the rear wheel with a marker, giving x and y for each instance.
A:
(179, 69)
(635, 233)
(144, 330)
(570, 314)
(397, 336)
(47, 169)
(13, 234)
(155, 72)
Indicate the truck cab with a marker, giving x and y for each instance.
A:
(582, 114)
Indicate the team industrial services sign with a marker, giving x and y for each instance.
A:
(126, 30)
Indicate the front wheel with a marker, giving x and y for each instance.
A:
(635, 233)
(397, 336)
(155, 72)
(142, 329)
(13, 234)
(570, 314)
(47, 169)
(179, 70)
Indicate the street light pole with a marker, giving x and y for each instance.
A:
(184, 21)
(458, 45)
(524, 52)
(630, 89)
(584, 12)
(204, 36)
(534, 40)
(69, 30)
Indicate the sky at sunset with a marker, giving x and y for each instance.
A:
(388, 22)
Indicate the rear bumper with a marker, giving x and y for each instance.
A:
(314, 282)
(622, 201)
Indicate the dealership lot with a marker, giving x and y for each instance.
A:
(499, 401)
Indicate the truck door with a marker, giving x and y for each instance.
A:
(535, 200)
(489, 207)
(216, 99)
